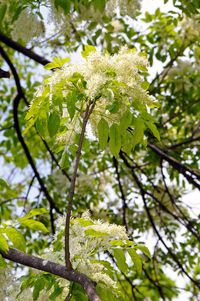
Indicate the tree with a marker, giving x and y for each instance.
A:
(97, 155)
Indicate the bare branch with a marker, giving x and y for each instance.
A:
(27, 52)
(143, 192)
(124, 204)
(187, 172)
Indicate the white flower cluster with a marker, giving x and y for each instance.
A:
(10, 288)
(5, 280)
(90, 12)
(190, 27)
(27, 26)
(184, 74)
(125, 7)
(107, 77)
(88, 238)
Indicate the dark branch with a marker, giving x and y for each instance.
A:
(143, 192)
(123, 197)
(53, 157)
(189, 140)
(29, 53)
(4, 74)
(16, 102)
(53, 268)
(187, 172)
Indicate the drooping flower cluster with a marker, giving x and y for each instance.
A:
(126, 7)
(113, 81)
(184, 75)
(190, 27)
(88, 238)
(10, 288)
(27, 26)
(5, 279)
(89, 11)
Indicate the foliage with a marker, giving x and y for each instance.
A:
(98, 132)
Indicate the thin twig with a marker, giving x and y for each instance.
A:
(123, 197)
(88, 111)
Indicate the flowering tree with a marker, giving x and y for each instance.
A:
(97, 151)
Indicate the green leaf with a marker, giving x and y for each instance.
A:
(78, 293)
(87, 50)
(95, 233)
(144, 249)
(126, 243)
(33, 225)
(53, 123)
(138, 133)
(153, 129)
(127, 142)
(105, 293)
(64, 161)
(57, 63)
(71, 101)
(125, 121)
(114, 107)
(3, 243)
(117, 243)
(136, 260)
(145, 85)
(115, 140)
(65, 5)
(38, 287)
(56, 292)
(3, 183)
(121, 260)
(3, 8)
(3, 263)
(41, 126)
(35, 212)
(84, 222)
(100, 5)
(16, 238)
(103, 132)
(78, 296)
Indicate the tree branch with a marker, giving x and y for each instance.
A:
(4, 74)
(53, 268)
(16, 102)
(142, 190)
(88, 111)
(29, 53)
(124, 204)
(185, 171)
(189, 140)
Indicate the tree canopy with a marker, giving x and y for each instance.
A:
(99, 145)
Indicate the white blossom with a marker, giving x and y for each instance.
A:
(117, 25)
(190, 27)
(27, 26)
